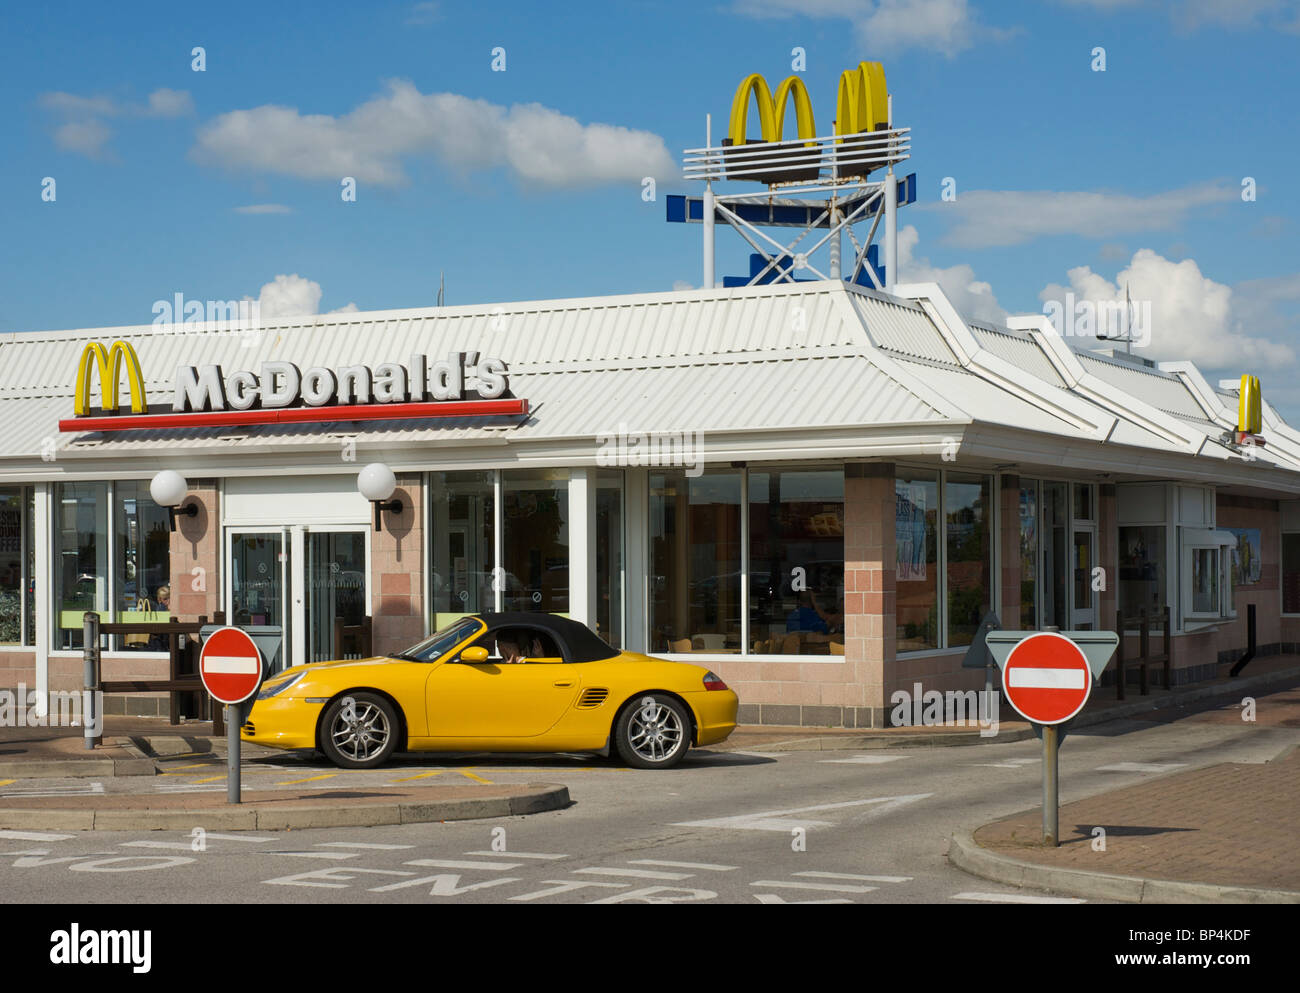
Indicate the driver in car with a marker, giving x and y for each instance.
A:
(510, 648)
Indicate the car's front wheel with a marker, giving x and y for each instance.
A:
(359, 731)
(653, 732)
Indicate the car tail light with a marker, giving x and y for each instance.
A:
(712, 681)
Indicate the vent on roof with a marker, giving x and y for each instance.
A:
(1123, 356)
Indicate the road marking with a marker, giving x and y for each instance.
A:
(685, 865)
(462, 864)
(761, 755)
(33, 835)
(520, 855)
(774, 898)
(92, 788)
(361, 844)
(1008, 764)
(778, 820)
(478, 779)
(423, 775)
(240, 837)
(309, 779)
(6, 782)
(192, 765)
(1141, 767)
(822, 887)
(635, 873)
(319, 855)
(567, 886)
(210, 779)
(183, 846)
(849, 875)
(866, 759)
(1014, 898)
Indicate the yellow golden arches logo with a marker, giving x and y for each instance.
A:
(1250, 408)
(771, 113)
(862, 103)
(108, 362)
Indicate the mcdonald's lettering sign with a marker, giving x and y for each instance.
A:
(108, 363)
(1250, 409)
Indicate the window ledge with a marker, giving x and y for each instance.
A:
(706, 656)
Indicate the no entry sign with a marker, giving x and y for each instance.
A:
(230, 665)
(1046, 678)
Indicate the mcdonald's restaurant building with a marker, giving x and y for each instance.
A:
(816, 489)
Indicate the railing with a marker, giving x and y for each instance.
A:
(1144, 658)
(800, 161)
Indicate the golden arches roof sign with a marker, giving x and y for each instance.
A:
(108, 363)
(862, 104)
(1250, 407)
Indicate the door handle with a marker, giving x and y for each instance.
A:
(564, 682)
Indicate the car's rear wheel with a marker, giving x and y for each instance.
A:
(653, 732)
(359, 731)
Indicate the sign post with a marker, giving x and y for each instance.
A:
(1047, 677)
(231, 668)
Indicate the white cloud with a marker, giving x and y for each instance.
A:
(973, 298)
(983, 218)
(539, 146)
(1192, 316)
(264, 208)
(680, 285)
(945, 26)
(293, 296)
(87, 138)
(424, 13)
(83, 129)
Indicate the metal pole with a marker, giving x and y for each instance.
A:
(708, 208)
(891, 217)
(1051, 827)
(234, 718)
(90, 675)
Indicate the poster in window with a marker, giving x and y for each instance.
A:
(1246, 558)
(11, 530)
(909, 533)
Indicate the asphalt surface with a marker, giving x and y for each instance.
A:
(747, 827)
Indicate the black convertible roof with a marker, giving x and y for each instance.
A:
(577, 641)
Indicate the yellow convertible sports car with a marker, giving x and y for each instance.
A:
(511, 682)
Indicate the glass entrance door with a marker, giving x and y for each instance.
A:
(259, 582)
(335, 585)
(1084, 613)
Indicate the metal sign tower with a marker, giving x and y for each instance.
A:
(821, 185)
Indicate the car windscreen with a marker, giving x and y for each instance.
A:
(441, 642)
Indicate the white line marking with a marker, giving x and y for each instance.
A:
(520, 855)
(461, 864)
(822, 887)
(849, 875)
(635, 873)
(685, 865)
(865, 759)
(762, 755)
(777, 820)
(239, 837)
(34, 836)
(361, 844)
(1014, 898)
(92, 788)
(183, 846)
(240, 665)
(1045, 679)
(319, 855)
(1141, 767)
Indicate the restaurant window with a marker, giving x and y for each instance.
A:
(1142, 570)
(695, 561)
(796, 562)
(1029, 534)
(916, 578)
(17, 566)
(1056, 555)
(609, 557)
(967, 502)
(1291, 573)
(535, 542)
(462, 523)
(141, 564)
(81, 547)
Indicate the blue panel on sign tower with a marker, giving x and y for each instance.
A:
(676, 208)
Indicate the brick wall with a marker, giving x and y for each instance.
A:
(397, 571)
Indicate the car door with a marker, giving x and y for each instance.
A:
(497, 700)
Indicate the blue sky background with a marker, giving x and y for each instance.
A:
(1134, 173)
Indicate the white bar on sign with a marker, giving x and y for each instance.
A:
(237, 664)
(1046, 679)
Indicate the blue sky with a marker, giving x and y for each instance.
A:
(526, 183)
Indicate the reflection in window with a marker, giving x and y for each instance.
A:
(17, 566)
(967, 500)
(916, 577)
(141, 564)
(80, 557)
(535, 543)
(1205, 580)
(1291, 573)
(609, 557)
(796, 562)
(1142, 570)
(694, 561)
(461, 524)
(1028, 555)
(1056, 554)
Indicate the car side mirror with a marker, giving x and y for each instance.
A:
(474, 655)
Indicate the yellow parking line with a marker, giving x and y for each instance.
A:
(478, 779)
(6, 782)
(423, 775)
(309, 779)
(210, 779)
(177, 770)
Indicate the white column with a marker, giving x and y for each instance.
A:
(709, 278)
(42, 530)
(295, 582)
(636, 590)
(582, 546)
(891, 231)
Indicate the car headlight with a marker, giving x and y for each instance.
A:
(276, 687)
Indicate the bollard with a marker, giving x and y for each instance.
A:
(90, 674)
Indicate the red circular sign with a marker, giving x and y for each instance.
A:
(230, 665)
(1047, 678)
